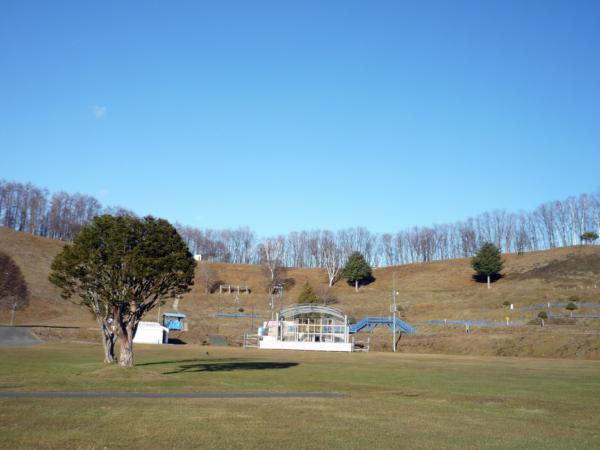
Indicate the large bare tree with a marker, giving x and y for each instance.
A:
(207, 276)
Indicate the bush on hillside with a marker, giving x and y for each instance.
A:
(506, 303)
(307, 295)
(571, 306)
(573, 299)
(351, 320)
(543, 315)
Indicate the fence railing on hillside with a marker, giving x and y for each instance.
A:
(485, 307)
(466, 322)
(560, 305)
(248, 316)
(578, 316)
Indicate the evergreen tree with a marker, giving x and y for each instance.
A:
(487, 261)
(571, 307)
(127, 266)
(307, 295)
(590, 236)
(356, 268)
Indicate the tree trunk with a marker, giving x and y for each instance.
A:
(356, 285)
(488, 282)
(108, 342)
(12, 319)
(126, 357)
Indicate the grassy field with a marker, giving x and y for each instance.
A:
(396, 401)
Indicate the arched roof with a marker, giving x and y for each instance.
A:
(298, 309)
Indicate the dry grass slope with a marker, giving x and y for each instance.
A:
(432, 290)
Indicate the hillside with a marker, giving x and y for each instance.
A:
(432, 290)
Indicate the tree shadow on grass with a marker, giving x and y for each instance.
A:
(483, 278)
(362, 283)
(199, 365)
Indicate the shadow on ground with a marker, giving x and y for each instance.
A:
(198, 365)
(483, 278)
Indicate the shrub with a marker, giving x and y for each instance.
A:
(543, 315)
(506, 303)
(241, 310)
(571, 306)
(573, 299)
(351, 320)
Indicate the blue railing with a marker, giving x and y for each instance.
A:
(249, 316)
(485, 307)
(579, 316)
(372, 322)
(466, 322)
(560, 305)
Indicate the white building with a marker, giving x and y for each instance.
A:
(151, 333)
(295, 330)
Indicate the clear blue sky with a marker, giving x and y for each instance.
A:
(286, 115)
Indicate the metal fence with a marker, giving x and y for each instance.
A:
(249, 316)
(466, 322)
(560, 305)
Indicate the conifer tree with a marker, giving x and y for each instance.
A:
(487, 261)
(356, 268)
(307, 295)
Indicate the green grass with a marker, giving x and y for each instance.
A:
(396, 401)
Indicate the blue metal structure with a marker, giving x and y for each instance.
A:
(239, 315)
(371, 322)
(560, 305)
(468, 322)
(173, 321)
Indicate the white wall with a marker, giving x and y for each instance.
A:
(151, 333)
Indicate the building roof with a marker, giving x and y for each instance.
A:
(297, 309)
(180, 316)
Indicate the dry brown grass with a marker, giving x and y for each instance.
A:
(433, 290)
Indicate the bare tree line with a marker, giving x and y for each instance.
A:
(552, 224)
(29, 209)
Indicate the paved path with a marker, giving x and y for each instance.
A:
(11, 336)
(152, 395)
(217, 340)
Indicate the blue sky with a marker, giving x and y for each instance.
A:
(284, 115)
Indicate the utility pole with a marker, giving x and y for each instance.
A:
(394, 323)
(280, 287)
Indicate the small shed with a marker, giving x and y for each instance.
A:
(173, 321)
(151, 333)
